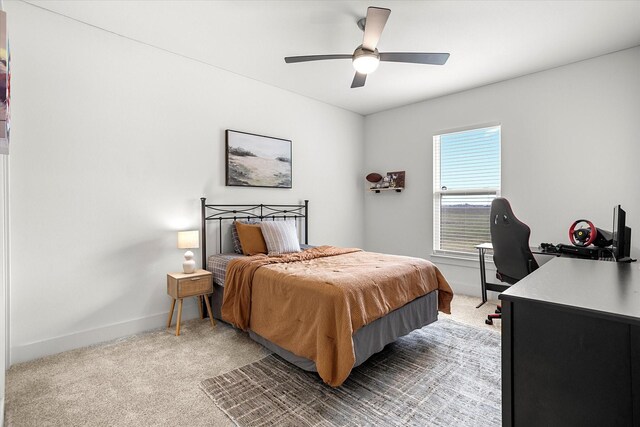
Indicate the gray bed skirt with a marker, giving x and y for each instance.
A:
(369, 339)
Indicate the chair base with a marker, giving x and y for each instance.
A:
(497, 315)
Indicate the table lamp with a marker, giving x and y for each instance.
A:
(188, 240)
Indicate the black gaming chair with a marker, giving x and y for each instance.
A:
(510, 240)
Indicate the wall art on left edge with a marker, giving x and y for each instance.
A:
(257, 161)
(5, 78)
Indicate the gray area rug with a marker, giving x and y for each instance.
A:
(445, 374)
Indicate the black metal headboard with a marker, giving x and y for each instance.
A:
(262, 212)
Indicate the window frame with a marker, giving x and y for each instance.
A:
(438, 192)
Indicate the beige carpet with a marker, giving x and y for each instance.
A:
(150, 379)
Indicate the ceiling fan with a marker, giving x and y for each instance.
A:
(366, 57)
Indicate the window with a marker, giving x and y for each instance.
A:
(466, 178)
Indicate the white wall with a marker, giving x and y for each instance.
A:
(113, 144)
(570, 150)
(4, 274)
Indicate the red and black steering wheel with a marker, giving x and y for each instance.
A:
(585, 234)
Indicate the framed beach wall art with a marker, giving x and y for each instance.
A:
(257, 161)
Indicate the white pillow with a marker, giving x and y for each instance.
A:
(281, 237)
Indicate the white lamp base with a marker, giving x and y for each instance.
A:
(189, 264)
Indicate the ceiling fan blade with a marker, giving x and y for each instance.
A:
(292, 59)
(415, 57)
(358, 80)
(376, 20)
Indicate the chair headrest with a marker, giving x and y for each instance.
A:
(502, 214)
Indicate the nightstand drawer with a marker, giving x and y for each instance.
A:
(182, 285)
(194, 286)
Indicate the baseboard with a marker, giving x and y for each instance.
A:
(2, 412)
(26, 352)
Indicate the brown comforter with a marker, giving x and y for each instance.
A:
(312, 302)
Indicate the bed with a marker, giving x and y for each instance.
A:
(323, 309)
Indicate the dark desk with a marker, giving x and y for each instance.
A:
(497, 287)
(571, 346)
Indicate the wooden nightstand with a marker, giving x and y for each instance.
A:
(182, 285)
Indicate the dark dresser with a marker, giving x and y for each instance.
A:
(571, 345)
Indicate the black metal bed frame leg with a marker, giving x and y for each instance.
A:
(306, 222)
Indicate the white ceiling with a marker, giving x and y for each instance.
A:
(489, 41)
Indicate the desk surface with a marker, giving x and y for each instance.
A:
(534, 249)
(484, 246)
(608, 289)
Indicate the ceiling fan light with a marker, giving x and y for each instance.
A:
(365, 61)
(366, 64)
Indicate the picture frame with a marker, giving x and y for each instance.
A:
(5, 87)
(396, 179)
(253, 160)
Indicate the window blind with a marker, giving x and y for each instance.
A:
(466, 167)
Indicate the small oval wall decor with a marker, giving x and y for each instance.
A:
(374, 177)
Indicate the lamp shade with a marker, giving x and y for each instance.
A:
(188, 239)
